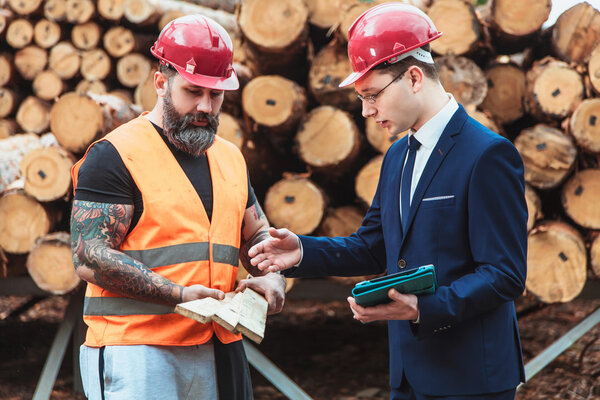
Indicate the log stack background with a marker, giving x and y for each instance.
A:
(72, 70)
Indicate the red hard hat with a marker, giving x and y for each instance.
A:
(200, 50)
(384, 32)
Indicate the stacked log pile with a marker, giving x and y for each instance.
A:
(80, 68)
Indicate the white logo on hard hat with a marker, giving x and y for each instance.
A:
(190, 66)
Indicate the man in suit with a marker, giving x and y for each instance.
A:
(451, 194)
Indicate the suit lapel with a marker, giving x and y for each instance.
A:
(440, 151)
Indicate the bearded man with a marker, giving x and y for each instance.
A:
(161, 210)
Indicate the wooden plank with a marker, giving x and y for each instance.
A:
(253, 316)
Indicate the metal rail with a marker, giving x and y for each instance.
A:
(557, 348)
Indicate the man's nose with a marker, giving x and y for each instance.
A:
(204, 104)
(368, 109)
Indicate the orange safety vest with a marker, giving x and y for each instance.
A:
(173, 238)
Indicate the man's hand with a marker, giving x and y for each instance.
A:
(272, 286)
(195, 292)
(402, 306)
(277, 253)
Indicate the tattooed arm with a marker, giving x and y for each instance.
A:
(97, 231)
(255, 228)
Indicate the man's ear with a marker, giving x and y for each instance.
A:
(160, 83)
(416, 76)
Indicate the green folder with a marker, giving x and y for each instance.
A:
(413, 281)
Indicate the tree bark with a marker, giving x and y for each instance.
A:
(556, 262)
(548, 155)
(50, 264)
(580, 198)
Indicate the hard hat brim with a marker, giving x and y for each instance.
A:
(211, 82)
(353, 77)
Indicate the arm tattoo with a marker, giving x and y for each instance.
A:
(97, 231)
(246, 245)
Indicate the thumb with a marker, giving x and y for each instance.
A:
(395, 295)
(278, 233)
(215, 294)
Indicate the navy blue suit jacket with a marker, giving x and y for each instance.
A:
(468, 218)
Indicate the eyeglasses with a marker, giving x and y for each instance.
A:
(373, 98)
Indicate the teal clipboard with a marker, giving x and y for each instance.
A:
(413, 281)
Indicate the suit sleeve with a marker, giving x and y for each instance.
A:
(497, 223)
(361, 253)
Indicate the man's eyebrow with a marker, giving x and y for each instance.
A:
(366, 90)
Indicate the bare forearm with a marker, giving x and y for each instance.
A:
(97, 231)
(118, 273)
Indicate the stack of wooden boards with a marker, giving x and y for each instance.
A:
(243, 312)
(79, 68)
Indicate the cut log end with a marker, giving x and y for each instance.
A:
(22, 221)
(463, 78)
(534, 207)
(111, 10)
(55, 10)
(76, 121)
(296, 204)
(25, 7)
(576, 33)
(380, 138)
(367, 179)
(47, 173)
(457, 19)
(34, 115)
(273, 101)
(95, 65)
(64, 59)
(30, 61)
(584, 125)
(548, 155)
(505, 94)
(50, 264)
(508, 16)
(80, 11)
(47, 85)
(19, 33)
(273, 26)
(556, 262)
(230, 130)
(580, 198)
(46, 33)
(328, 139)
(86, 36)
(133, 69)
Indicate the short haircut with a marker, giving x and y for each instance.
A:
(167, 71)
(430, 70)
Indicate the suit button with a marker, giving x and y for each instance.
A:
(402, 263)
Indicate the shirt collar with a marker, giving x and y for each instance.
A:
(429, 134)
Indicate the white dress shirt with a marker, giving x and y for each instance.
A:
(428, 136)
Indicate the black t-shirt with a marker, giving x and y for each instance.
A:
(104, 178)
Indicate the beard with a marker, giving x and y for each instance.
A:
(183, 134)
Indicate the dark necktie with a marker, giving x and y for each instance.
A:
(407, 173)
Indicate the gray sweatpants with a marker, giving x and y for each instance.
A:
(149, 372)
